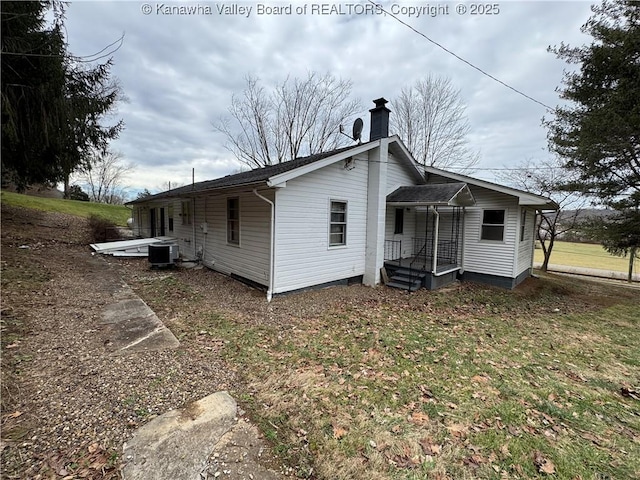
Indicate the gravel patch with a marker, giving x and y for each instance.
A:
(68, 403)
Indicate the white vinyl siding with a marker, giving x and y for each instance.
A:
(398, 175)
(141, 222)
(303, 255)
(170, 217)
(525, 247)
(186, 210)
(183, 232)
(408, 231)
(485, 256)
(250, 258)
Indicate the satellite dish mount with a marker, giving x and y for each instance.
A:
(356, 131)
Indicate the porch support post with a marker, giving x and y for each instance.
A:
(434, 266)
(376, 213)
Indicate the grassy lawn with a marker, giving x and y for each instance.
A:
(118, 214)
(585, 255)
(470, 382)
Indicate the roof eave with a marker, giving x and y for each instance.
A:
(281, 178)
(525, 199)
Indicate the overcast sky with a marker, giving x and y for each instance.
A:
(179, 72)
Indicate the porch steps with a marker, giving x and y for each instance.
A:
(406, 279)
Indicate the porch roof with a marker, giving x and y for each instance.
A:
(436, 194)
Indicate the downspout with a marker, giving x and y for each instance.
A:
(272, 246)
(205, 231)
(436, 226)
(534, 238)
(464, 236)
(193, 223)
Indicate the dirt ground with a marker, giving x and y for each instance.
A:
(68, 403)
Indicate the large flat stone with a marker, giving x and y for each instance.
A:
(135, 327)
(176, 445)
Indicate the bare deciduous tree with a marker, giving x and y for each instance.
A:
(105, 179)
(299, 117)
(546, 178)
(168, 185)
(430, 118)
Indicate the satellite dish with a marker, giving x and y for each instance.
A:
(357, 129)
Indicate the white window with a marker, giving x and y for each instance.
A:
(338, 224)
(492, 225)
(185, 212)
(233, 221)
(170, 210)
(523, 223)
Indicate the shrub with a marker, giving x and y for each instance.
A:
(102, 229)
(76, 193)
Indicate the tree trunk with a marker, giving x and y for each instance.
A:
(547, 255)
(632, 256)
(67, 193)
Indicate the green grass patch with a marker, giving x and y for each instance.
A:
(117, 214)
(585, 255)
(470, 383)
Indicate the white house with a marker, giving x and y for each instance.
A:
(342, 216)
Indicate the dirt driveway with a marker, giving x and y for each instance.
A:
(69, 403)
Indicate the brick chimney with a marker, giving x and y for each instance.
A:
(379, 120)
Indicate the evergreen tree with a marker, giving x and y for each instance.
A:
(598, 132)
(52, 105)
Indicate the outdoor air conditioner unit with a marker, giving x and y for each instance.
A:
(163, 255)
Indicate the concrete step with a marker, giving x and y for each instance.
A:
(406, 272)
(405, 286)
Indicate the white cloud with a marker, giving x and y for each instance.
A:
(179, 72)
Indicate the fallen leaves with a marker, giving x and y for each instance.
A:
(430, 448)
(458, 430)
(339, 432)
(480, 379)
(543, 464)
(419, 418)
(629, 392)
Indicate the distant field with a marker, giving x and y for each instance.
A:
(585, 255)
(118, 214)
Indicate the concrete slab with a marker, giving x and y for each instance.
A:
(135, 327)
(176, 445)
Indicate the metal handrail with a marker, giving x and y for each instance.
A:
(415, 258)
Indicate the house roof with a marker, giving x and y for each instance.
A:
(258, 175)
(524, 198)
(277, 175)
(452, 194)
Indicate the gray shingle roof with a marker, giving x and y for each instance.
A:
(432, 194)
(251, 177)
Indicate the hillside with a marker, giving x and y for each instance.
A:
(117, 214)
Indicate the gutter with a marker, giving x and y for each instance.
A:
(272, 247)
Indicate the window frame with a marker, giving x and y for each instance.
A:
(523, 224)
(486, 226)
(170, 216)
(233, 224)
(185, 212)
(343, 224)
(398, 228)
